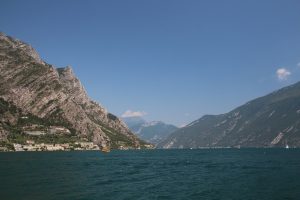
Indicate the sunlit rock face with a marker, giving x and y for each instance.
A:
(48, 92)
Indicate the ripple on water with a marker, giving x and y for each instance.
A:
(157, 174)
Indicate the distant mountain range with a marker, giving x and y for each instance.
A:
(153, 132)
(269, 121)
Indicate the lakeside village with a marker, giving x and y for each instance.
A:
(31, 146)
(36, 138)
(77, 146)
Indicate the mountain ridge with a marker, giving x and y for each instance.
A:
(272, 120)
(48, 92)
(153, 132)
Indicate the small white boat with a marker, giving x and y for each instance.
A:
(287, 146)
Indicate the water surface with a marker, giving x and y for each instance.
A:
(152, 174)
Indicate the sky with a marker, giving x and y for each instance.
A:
(168, 60)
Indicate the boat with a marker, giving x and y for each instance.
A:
(286, 145)
(105, 149)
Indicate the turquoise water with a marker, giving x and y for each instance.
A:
(154, 174)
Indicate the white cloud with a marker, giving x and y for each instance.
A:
(129, 113)
(298, 64)
(282, 74)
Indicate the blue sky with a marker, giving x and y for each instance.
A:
(168, 60)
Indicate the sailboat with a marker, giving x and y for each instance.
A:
(286, 145)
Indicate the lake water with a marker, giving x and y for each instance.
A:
(218, 174)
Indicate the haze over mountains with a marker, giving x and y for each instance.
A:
(153, 132)
(269, 121)
(36, 95)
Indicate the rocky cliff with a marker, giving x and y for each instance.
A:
(269, 121)
(57, 96)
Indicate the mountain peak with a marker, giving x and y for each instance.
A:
(152, 132)
(11, 45)
(65, 71)
(153, 123)
(56, 96)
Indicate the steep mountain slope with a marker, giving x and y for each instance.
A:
(269, 121)
(56, 96)
(153, 132)
(8, 118)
